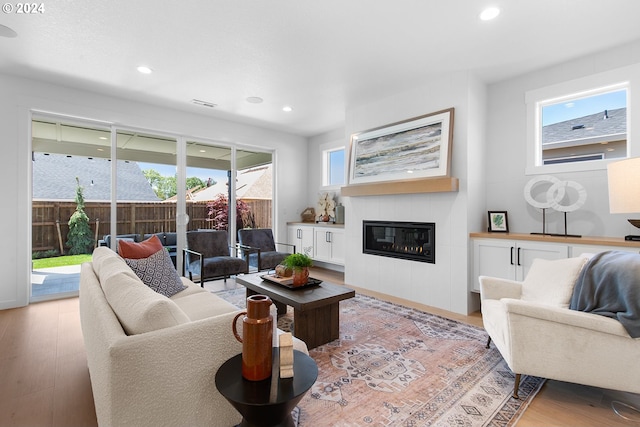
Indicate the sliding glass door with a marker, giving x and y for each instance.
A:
(146, 206)
(250, 191)
(71, 193)
(254, 188)
(94, 180)
(208, 170)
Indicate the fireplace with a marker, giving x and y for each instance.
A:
(414, 241)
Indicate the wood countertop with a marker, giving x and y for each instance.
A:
(317, 224)
(585, 240)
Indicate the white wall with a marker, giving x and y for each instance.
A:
(328, 140)
(21, 95)
(506, 150)
(445, 283)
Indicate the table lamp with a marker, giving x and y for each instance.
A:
(624, 189)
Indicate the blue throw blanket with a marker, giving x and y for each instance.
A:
(609, 285)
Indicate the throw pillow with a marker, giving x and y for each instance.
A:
(132, 250)
(551, 281)
(158, 272)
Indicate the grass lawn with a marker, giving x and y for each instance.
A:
(60, 261)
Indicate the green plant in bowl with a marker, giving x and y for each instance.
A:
(299, 264)
(297, 261)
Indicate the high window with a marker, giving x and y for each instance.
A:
(579, 125)
(333, 167)
(584, 127)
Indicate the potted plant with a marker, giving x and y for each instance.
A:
(299, 263)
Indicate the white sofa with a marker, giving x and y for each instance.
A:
(153, 359)
(537, 334)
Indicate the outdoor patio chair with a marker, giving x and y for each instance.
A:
(106, 239)
(258, 248)
(169, 241)
(209, 256)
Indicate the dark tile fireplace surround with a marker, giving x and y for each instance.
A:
(415, 241)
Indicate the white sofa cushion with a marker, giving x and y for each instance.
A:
(551, 282)
(203, 305)
(138, 307)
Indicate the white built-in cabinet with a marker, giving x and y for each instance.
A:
(509, 256)
(329, 245)
(324, 243)
(511, 259)
(302, 237)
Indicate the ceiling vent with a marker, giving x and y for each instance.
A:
(204, 103)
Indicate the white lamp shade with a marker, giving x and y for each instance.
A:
(624, 186)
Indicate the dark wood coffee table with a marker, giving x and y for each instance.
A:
(316, 309)
(266, 403)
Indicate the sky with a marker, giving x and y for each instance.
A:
(337, 167)
(583, 107)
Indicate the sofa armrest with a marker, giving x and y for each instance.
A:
(175, 364)
(497, 288)
(565, 316)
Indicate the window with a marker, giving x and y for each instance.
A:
(579, 125)
(333, 167)
(586, 127)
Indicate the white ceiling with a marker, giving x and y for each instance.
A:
(318, 56)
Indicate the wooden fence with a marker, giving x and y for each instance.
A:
(50, 219)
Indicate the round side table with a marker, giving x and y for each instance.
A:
(266, 403)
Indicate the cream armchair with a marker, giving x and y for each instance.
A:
(537, 334)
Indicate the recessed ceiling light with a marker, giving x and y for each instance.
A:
(203, 151)
(254, 100)
(144, 69)
(104, 138)
(287, 109)
(489, 13)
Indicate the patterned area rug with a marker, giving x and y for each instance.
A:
(396, 366)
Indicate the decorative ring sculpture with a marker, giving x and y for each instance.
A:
(528, 196)
(556, 189)
(555, 194)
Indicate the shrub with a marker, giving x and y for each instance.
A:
(80, 238)
(218, 214)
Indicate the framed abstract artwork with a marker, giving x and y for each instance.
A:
(415, 148)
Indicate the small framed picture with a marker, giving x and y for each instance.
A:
(498, 222)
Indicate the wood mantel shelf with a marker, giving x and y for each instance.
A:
(427, 185)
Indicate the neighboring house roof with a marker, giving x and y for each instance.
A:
(255, 183)
(609, 125)
(54, 178)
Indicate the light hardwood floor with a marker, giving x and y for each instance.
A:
(44, 380)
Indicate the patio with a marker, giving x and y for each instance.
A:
(54, 281)
(65, 281)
